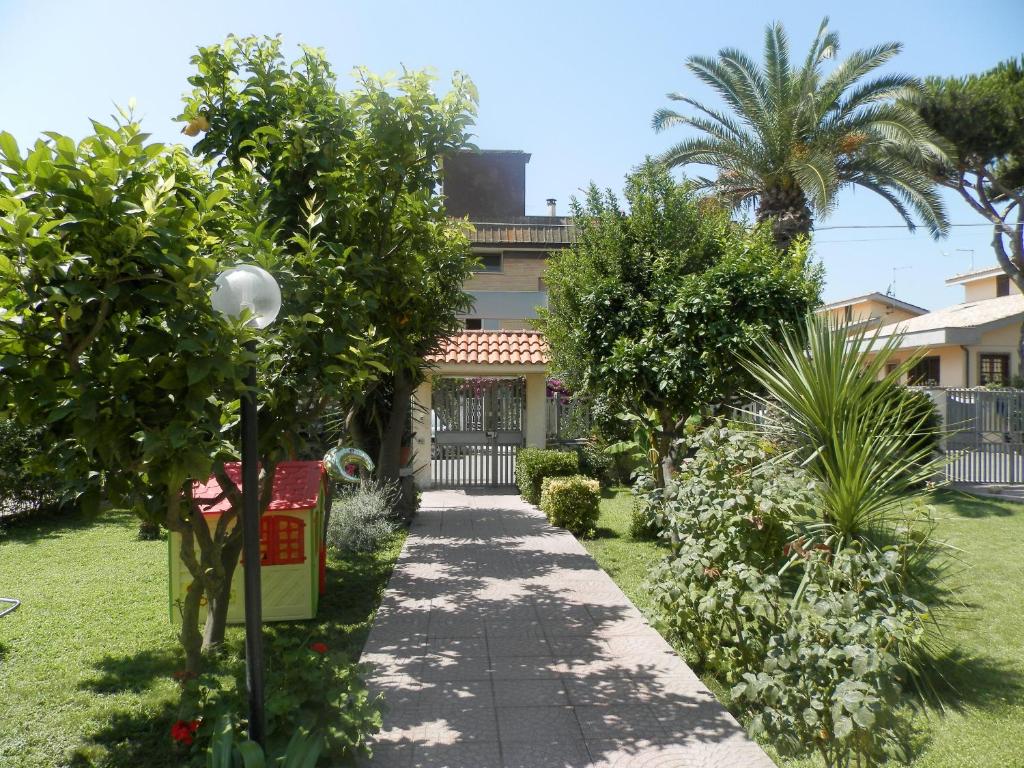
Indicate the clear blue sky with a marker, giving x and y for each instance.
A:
(574, 83)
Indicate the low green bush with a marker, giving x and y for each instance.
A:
(24, 486)
(534, 464)
(595, 463)
(571, 503)
(361, 517)
(642, 525)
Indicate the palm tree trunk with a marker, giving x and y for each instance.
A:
(790, 216)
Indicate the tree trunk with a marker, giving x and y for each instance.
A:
(191, 639)
(789, 213)
(389, 459)
(664, 471)
(190, 636)
(219, 599)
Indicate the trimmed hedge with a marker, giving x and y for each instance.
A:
(534, 464)
(571, 503)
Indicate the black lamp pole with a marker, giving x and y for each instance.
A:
(253, 559)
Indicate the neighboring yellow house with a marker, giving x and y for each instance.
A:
(870, 311)
(968, 344)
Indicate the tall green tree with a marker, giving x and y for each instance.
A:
(108, 249)
(792, 137)
(982, 117)
(648, 309)
(364, 166)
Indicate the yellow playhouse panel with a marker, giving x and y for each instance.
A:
(291, 544)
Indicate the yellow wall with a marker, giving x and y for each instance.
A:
(518, 273)
(878, 312)
(951, 364)
(517, 325)
(953, 359)
(984, 288)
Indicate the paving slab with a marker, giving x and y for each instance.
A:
(501, 642)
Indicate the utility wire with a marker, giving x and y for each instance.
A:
(904, 226)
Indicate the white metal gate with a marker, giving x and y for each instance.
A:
(477, 426)
(986, 441)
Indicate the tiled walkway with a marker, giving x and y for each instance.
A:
(501, 643)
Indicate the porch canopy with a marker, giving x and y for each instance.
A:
(474, 353)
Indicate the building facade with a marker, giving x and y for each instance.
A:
(488, 187)
(970, 344)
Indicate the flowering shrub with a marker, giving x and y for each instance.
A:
(184, 731)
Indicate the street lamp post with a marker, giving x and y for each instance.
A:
(239, 290)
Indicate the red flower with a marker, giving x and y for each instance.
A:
(184, 731)
(318, 647)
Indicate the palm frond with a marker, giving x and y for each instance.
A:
(857, 65)
(729, 123)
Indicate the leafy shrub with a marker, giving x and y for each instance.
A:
(643, 525)
(24, 486)
(817, 641)
(831, 677)
(308, 689)
(360, 519)
(596, 463)
(228, 751)
(728, 515)
(534, 464)
(571, 503)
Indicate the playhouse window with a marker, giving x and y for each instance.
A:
(282, 540)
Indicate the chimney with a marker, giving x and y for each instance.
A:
(551, 206)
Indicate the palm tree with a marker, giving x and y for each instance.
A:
(798, 136)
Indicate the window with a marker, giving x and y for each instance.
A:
(282, 540)
(890, 367)
(1003, 285)
(925, 373)
(490, 324)
(473, 324)
(994, 369)
(490, 261)
(848, 315)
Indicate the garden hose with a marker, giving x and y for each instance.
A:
(14, 604)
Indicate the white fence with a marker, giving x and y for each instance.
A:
(985, 442)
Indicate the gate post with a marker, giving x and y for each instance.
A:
(536, 409)
(422, 402)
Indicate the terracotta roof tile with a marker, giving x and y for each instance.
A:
(296, 486)
(493, 347)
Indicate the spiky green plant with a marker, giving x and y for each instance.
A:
(848, 422)
(831, 399)
(796, 135)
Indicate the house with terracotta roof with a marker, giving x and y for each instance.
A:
(968, 344)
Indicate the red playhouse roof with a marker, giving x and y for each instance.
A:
(296, 486)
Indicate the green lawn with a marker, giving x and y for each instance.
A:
(983, 722)
(86, 661)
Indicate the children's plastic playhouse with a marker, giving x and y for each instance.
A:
(291, 543)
